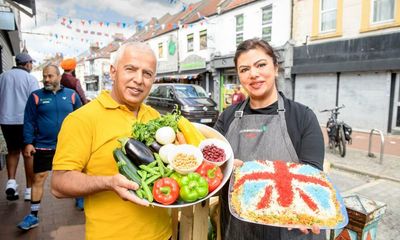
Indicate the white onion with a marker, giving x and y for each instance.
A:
(164, 150)
(165, 135)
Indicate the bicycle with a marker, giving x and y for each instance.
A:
(339, 133)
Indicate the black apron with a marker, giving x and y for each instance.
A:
(259, 137)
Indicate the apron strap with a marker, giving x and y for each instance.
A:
(281, 112)
(239, 113)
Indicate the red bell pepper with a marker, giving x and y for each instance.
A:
(166, 191)
(212, 173)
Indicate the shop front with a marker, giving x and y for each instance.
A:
(226, 79)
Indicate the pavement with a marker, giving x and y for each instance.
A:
(358, 161)
(59, 219)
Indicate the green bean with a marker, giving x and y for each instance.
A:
(148, 169)
(139, 193)
(151, 179)
(147, 191)
(169, 172)
(141, 173)
(144, 176)
(160, 166)
(152, 164)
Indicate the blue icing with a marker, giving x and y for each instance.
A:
(250, 167)
(319, 194)
(251, 189)
(308, 170)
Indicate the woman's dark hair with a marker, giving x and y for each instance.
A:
(255, 43)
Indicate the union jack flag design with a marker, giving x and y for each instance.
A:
(266, 190)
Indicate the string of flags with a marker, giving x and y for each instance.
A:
(67, 21)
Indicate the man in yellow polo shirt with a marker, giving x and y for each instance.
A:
(83, 164)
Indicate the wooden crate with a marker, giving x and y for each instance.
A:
(191, 223)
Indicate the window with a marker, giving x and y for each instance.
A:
(160, 50)
(267, 23)
(379, 14)
(328, 15)
(190, 42)
(382, 10)
(239, 28)
(327, 19)
(160, 92)
(203, 39)
(190, 91)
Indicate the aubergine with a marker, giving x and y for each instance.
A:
(155, 147)
(136, 151)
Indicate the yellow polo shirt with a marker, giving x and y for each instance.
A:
(86, 142)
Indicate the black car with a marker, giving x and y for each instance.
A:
(192, 100)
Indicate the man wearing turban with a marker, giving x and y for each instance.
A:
(69, 79)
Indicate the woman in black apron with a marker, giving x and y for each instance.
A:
(267, 126)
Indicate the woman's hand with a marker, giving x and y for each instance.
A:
(121, 185)
(237, 162)
(314, 229)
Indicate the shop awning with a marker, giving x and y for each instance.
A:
(30, 4)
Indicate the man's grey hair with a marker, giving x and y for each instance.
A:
(137, 45)
(53, 66)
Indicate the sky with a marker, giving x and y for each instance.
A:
(69, 27)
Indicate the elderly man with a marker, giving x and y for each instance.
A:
(15, 86)
(84, 164)
(44, 112)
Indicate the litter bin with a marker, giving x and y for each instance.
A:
(364, 215)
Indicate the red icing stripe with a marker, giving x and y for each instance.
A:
(266, 199)
(310, 203)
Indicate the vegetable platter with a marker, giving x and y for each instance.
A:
(166, 158)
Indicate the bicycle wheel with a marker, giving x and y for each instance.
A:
(342, 142)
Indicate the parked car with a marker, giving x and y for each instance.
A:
(191, 100)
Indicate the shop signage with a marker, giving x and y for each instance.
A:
(193, 62)
(7, 21)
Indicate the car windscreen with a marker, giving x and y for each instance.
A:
(190, 91)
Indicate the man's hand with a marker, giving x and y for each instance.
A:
(29, 150)
(121, 185)
(314, 229)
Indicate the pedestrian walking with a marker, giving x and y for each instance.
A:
(84, 165)
(69, 80)
(15, 86)
(237, 96)
(44, 113)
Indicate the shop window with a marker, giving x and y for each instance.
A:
(203, 39)
(239, 28)
(327, 19)
(190, 42)
(160, 50)
(379, 14)
(267, 23)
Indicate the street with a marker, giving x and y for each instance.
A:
(377, 189)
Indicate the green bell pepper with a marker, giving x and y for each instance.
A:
(193, 187)
(177, 177)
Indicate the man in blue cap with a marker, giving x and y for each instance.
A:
(16, 85)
